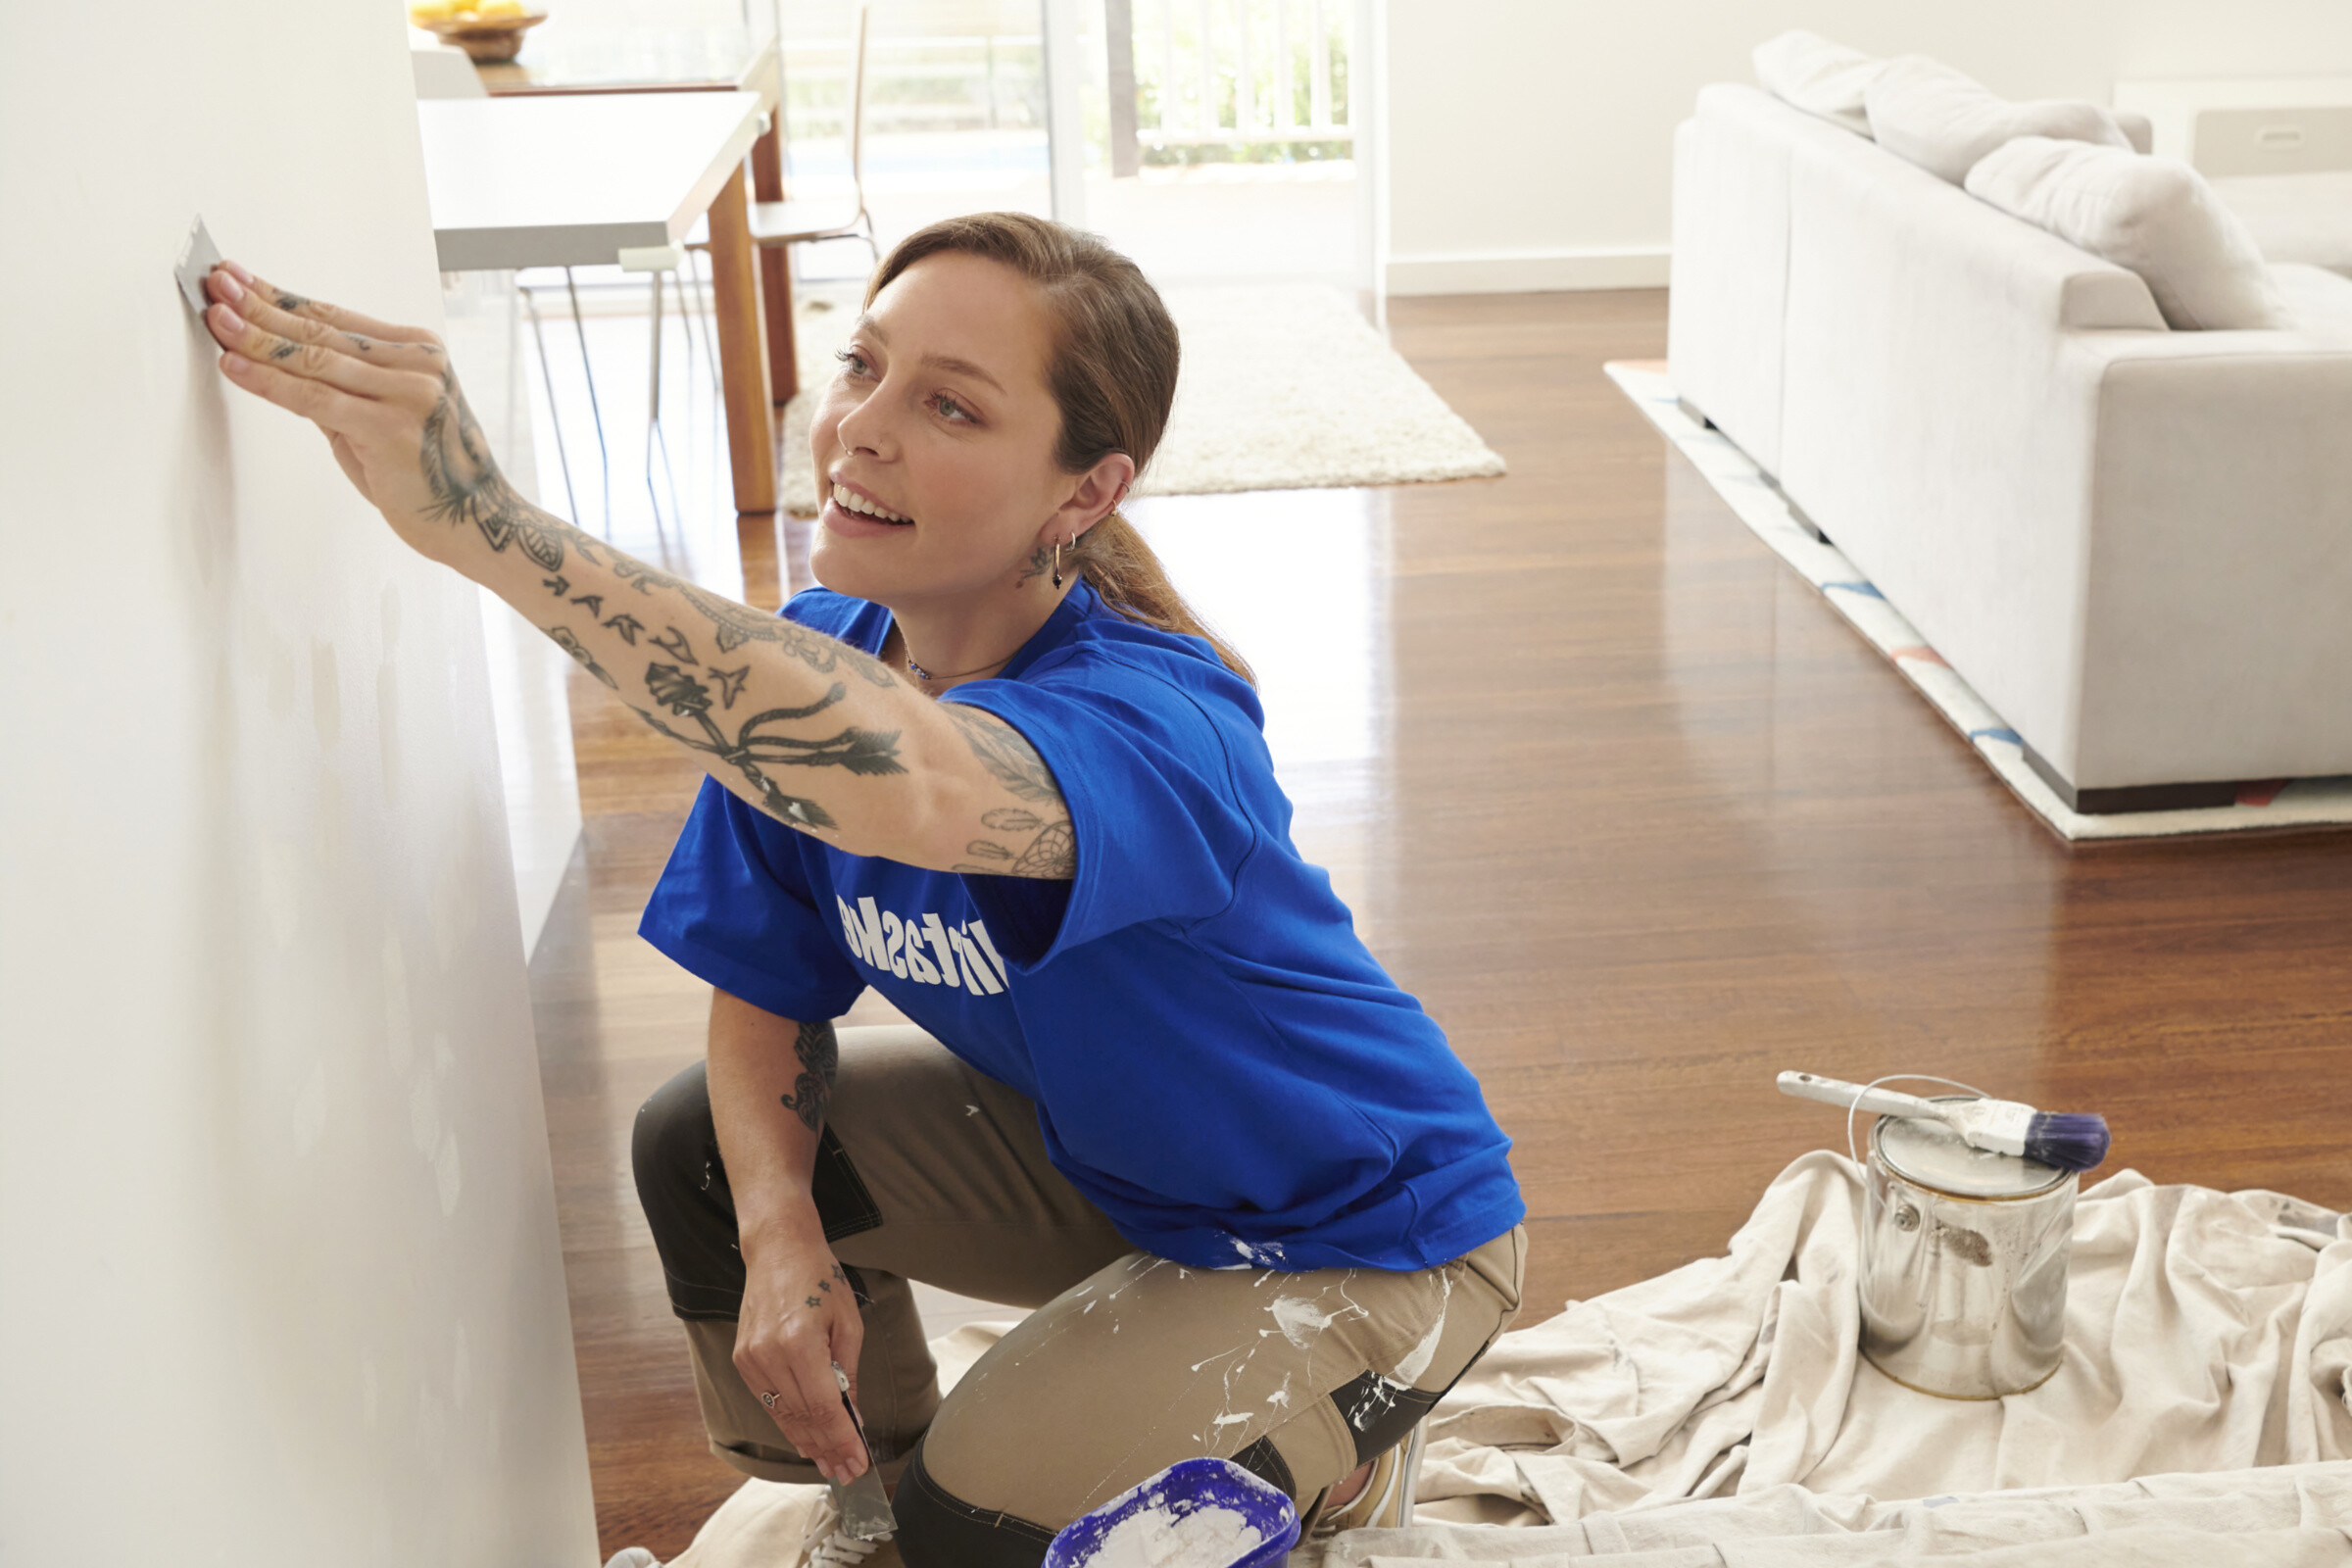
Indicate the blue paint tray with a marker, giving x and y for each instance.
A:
(1180, 1489)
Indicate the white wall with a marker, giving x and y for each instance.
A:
(282, 1283)
(1530, 140)
(528, 675)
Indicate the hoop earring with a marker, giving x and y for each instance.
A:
(1056, 563)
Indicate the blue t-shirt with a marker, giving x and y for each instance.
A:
(1217, 1062)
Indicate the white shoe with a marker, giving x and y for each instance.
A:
(633, 1558)
(1387, 1500)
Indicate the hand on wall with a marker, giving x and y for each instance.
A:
(387, 399)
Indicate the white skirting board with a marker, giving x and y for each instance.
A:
(1527, 272)
(2308, 802)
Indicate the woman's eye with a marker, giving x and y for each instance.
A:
(853, 363)
(950, 408)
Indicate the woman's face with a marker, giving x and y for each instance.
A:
(940, 415)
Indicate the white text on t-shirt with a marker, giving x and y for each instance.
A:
(959, 955)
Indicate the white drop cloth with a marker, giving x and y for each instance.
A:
(2206, 1332)
(1720, 1415)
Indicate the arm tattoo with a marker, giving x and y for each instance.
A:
(821, 1063)
(733, 624)
(468, 487)
(752, 754)
(1038, 843)
(1052, 851)
(1011, 761)
(570, 641)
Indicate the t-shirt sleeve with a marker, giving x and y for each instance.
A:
(734, 907)
(1160, 833)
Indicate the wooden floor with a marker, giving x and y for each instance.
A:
(1633, 812)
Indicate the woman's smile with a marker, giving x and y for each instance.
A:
(856, 513)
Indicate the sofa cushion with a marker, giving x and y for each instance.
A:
(1821, 77)
(2156, 215)
(1945, 121)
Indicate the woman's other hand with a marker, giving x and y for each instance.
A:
(800, 1320)
(386, 398)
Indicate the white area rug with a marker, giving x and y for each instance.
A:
(2307, 803)
(1283, 388)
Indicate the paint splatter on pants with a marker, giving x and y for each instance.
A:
(929, 1171)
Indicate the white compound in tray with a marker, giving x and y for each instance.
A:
(1156, 1538)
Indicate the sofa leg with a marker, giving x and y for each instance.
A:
(2131, 796)
(1797, 512)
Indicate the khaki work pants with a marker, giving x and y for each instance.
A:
(928, 1170)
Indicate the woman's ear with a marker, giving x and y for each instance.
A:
(1096, 492)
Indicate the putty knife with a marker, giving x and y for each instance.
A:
(864, 1506)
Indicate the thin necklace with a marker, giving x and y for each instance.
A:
(920, 674)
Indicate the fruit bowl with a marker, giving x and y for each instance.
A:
(487, 40)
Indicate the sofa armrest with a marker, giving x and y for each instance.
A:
(2217, 611)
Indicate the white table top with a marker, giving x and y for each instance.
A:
(572, 181)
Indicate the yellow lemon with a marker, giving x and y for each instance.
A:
(500, 8)
(431, 10)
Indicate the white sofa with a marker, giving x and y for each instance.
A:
(2134, 543)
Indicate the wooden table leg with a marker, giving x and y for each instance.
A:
(742, 366)
(776, 267)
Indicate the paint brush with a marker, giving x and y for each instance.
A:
(2060, 1140)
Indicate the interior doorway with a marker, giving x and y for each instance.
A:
(1213, 141)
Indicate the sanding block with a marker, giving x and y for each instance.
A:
(197, 258)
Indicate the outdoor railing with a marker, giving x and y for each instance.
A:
(1235, 72)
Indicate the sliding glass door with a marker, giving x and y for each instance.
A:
(1213, 140)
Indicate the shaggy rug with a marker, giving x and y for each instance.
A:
(1284, 387)
(2305, 802)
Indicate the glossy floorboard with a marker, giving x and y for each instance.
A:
(1636, 815)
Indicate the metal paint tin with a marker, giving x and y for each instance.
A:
(1964, 1261)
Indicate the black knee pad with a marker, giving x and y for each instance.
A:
(939, 1530)
(674, 1153)
(673, 1143)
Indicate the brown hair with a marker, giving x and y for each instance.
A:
(1111, 371)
